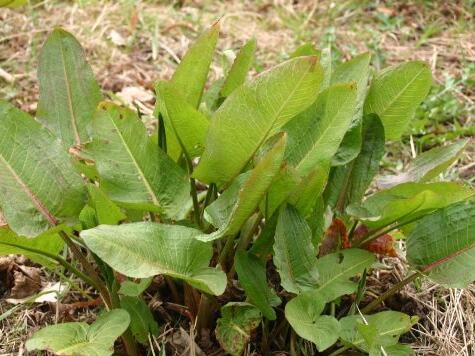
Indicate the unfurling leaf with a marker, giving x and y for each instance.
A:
(233, 329)
(145, 249)
(442, 245)
(39, 185)
(69, 92)
(395, 94)
(304, 315)
(80, 338)
(254, 112)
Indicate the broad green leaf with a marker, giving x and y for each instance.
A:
(11, 243)
(303, 314)
(188, 124)
(395, 94)
(96, 339)
(191, 74)
(426, 166)
(145, 249)
(294, 255)
(39, 185)
(390, 325)
(336, 269)
(231, 210)
(307, 49)
(254, 112)
(241, 65)
(442, 245)
(357, 70)
(233, 329)
(69, 92)
(142, 323)
(106, 211)
(348, 183)
(399, 350)
(133, 171)
(263, 245)
(132, 289)
(252, 277)
(406, 202)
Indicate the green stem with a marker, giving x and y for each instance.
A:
(339, 351)
(225, 251)
(208, 199)
(162, 137)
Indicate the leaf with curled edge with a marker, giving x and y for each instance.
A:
(254, 112)
(39, 185)
(442, 245)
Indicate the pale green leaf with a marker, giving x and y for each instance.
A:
(106, 212)
(233, 329)
(336, 269)
(69, 92)
(231, 210)
(304, 315)
(390, 325)
(294, 255)
(307, 49)
(252, 277)
(442, 245)
(254, 112)
(395, 94)
(427, 165)
(133, 171)
(39, 185)
(191, 74)
(145, 249)
(142, 323)
(11, 243)
(406, 202)
(80, 338)
(188, 124)
(241, 65)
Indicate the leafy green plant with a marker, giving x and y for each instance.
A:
(253, 205)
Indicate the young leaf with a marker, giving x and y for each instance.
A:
(191, 74)
(238, 72)
(188, 124)
(252, 277)
(389, 326)
(303, 314)
(40, 187)
(69, 92)
(134, 172)
(106, 212)
(132, 289)
(294, 254)
(80, 338)
(233, 329)
(395, 94)
(406, 202)
(144, 249)
(254, 112)
(426, 166)
(442, 245)
(142, 323)
(347, 184)
(337, 268)
(231, 210)
(11, 243)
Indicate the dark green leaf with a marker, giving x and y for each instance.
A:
(142, 322)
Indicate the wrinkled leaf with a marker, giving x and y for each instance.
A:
(442, 245)
(254, 112)
(80, 338)
(294, 253)
(39, 186)
(144, 249)
(303, 314)
(69, 92)
(252, 277)
(395, 94)
(134, 172)
(426, 166)
(233, 329)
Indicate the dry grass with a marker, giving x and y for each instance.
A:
(135, 43)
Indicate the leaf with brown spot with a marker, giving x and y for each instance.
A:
(383, 245)
(335, 235)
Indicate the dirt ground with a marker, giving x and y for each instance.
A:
(132, 44)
